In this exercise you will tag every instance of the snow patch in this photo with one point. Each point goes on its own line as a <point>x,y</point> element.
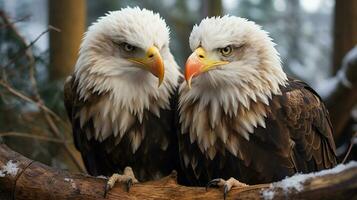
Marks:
<point>73,184</point>
<point>295,182</point>
<point>268,194</point>
<point>11,168</point>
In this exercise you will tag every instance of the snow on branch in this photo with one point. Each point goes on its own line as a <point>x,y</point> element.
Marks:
<point>9,169</point>
<point>335,90</point>
<point>296,182</point>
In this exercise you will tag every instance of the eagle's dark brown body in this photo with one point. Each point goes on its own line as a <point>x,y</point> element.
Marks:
<point>297,138</point>
<point>155,157</point>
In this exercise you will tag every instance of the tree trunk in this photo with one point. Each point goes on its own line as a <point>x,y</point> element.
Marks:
<point>345,30</point>
<point>212,8</point>
<point>69,16</point>
<point>21,178</point>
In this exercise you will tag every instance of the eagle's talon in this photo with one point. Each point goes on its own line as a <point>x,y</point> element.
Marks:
<point>226,184</point>
<point>107,188</point>
<point>127,177</point>
<point>129,183</point>
<point>213,182</point>
<point>226,190</point>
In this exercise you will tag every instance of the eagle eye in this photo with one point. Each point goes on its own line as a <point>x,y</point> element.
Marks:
<point>226,51</point>
<point>127,47</point>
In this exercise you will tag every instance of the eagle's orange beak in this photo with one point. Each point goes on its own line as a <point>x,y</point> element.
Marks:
<point>152,62</point>
<point>197,63</point>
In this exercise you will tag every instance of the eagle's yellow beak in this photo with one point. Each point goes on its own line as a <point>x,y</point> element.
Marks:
<point>152,61</point>
<point>197,63</point>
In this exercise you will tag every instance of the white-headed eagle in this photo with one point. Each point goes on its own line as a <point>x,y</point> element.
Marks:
<point>120,117</point>
<point>241,116</point>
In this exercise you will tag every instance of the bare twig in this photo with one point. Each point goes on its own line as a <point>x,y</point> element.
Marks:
<point>7,24</point>
<point>22,51</point>
<point>53,127</point>
<point>54,28</point>
<point>28,99</point>
<point>354,136</point>
<point>27,51</point>
<point>32,136</point>
<point>55,130</point>
<point>47,113</point>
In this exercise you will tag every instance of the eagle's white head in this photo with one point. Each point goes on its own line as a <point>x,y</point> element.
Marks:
<point>124,57</point>
<point>230,49</point>
<point>233,71</point>
<point>232,53</point>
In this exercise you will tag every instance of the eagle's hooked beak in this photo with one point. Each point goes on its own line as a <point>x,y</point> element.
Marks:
<point>152,61</point>
<point>199,62</point>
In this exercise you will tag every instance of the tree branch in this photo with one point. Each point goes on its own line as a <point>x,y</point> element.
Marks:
<point>340,93</point>
<point>22,96</point>
<point>32,136</point>
<point>22,178</point>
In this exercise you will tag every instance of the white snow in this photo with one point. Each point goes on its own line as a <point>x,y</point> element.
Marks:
<point>10,168</point>
<point>73,184</point>
<point>268,194</point>
<point>326,87</point>
<point>295,183</point>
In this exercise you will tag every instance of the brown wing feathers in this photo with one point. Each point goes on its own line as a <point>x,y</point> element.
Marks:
<point>310,127</point>
<point>297,138</point>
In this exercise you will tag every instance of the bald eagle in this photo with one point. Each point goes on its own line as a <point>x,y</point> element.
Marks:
<point>241,116</point>
<point>120,117</point>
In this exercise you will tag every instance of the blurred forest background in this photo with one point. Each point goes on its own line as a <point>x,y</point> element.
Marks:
<point>39,42</point>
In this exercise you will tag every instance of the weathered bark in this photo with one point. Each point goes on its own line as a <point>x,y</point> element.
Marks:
<point>34,180</point>
<point>345,30</point>
<point>69,16</point>
<point>340,93</point>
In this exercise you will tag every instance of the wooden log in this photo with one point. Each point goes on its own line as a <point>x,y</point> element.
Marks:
<point>21,178</point>
<point>34,180</point>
